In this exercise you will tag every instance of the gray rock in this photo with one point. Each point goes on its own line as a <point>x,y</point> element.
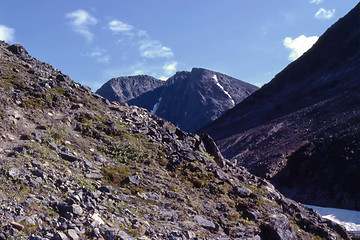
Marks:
<point>220,174</point>
<point>76,209</point>
<point>134,179</point>
<point>96,233</point>
<point>68,156</point>
<point>13,113</point>
<point>17,225</point>
<point>14,173</point>
<point>189,234</point>
<point>18,50</point>
<point>36,237</point>
<point>77,106</point>
<point>241,191</point>
<point>63,208</point>
<point>104,189</point>
<point>30,221</point>
<point>20,149</point>
<point>37,136</point>
<point>110,123</point>
<point>278,228</point>
<point>257,237</point>
<point>72,234</point>
<point>60,236</point>
<point>117,234</point>
<point>60,78</point>
<point>53,146</point>
<point>205,223</point>
<point>94,175</point>
<point>38,172</point>
<point>100,159</point>
<point>87,163</point>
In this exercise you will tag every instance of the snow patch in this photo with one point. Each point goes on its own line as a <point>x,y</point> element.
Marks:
<point>222,88</point>
<point>348,218</point>
<point>156,106</point>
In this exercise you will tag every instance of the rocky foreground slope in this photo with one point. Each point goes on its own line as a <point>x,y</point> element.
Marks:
<point>75,166</point>
<point>302,130</point>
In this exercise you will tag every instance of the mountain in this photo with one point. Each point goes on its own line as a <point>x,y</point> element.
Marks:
<point>76,166</point>
<point>193,99</point>
<point>123,89</point>
<point>302,129</point>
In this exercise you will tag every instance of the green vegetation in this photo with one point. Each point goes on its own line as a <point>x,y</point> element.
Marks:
<point>116,174</point>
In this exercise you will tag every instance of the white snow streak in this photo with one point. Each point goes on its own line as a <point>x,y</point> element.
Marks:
<point>156,106</point>
<point>222,88</point>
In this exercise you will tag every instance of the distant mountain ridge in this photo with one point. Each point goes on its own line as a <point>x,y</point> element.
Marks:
<point>192,99</point>
<point>301,128</point>
<point>123,89</point>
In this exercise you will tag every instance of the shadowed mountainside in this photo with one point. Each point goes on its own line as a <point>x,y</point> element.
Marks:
<point>303,128</point>
<point>193,99</point>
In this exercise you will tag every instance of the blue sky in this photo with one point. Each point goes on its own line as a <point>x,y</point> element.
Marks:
<point>95,40</point>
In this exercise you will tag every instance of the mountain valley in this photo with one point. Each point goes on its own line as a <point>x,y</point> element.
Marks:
<point>76,166</point>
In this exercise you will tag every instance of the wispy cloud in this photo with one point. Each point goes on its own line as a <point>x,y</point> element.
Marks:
<point>118,26</point>
<point>170,68</point>
<point>316,1</point>
<point>299,45</point>
<point>147,46</point>
<point>6,34</point>
<point>81,20</point>
<point>100,55</point>
<point>324,14</point>
<point>154,49</point>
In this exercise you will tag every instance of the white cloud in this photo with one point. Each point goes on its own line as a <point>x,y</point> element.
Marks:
<point>316,1</point>
<point>299,45</point>
<point>100,55</point>
<point>324,14</point>
<point>154,49</point>
<point>117,26</point>
<point>103,59</point>
<point>170,68</point>
<point>143,33</point>
<point>81,21</point>
<point>138,72</point>
<point>6,33</point>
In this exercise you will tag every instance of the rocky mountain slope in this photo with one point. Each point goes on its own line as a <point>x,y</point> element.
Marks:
<point>193,99</point>
<point>75,166</point>
<point>303,128</point>
<point>123,89</point>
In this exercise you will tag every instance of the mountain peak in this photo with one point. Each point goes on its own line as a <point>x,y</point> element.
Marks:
<point>192,99</point>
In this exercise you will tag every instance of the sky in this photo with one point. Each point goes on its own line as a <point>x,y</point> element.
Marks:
<point>93,41</point>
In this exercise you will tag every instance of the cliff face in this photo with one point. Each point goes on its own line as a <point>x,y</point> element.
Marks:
<point>300,128</point>
<point>75,166</point>
<point>193,99</point>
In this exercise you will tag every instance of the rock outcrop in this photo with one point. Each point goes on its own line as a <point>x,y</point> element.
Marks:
<point>302,128</point>
<point>76,166</point>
